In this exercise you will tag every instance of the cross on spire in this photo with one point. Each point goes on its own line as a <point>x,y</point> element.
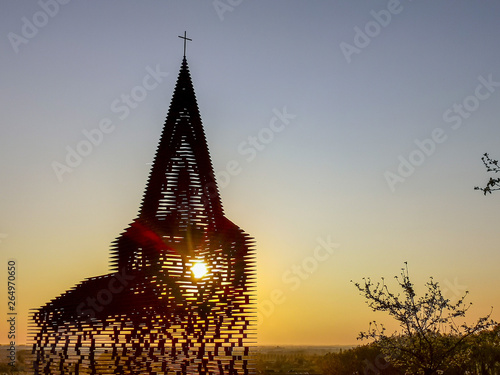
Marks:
<point>185,39</point>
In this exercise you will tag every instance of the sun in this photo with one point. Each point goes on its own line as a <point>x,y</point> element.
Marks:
<point>199,269</point>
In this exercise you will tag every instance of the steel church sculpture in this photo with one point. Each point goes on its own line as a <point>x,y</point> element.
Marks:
<point>178,298</point>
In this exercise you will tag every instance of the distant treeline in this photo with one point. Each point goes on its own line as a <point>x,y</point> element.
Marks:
<point>482,357</point>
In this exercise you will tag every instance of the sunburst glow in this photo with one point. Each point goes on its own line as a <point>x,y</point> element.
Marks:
<point>199,269</point>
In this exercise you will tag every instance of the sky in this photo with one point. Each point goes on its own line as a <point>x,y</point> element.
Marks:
<point>346,138</point>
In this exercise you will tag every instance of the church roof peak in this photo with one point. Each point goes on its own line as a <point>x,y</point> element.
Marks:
<point>182,169</point>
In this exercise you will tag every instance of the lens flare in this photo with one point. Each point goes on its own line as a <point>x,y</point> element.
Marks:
<point>199,269</point>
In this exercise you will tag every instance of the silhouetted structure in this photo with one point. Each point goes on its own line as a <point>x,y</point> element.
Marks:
<point>151,315</point>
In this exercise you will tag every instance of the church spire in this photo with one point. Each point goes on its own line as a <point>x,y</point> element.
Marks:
<point>182,179</point>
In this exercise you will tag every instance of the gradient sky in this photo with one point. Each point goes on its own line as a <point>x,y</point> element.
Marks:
<point>357,107</point>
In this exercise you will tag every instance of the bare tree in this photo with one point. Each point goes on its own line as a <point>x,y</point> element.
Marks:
<point>431,338</point>
<point>493,183</point>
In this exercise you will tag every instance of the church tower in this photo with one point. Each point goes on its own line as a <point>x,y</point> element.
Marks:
<point>178,299</point>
